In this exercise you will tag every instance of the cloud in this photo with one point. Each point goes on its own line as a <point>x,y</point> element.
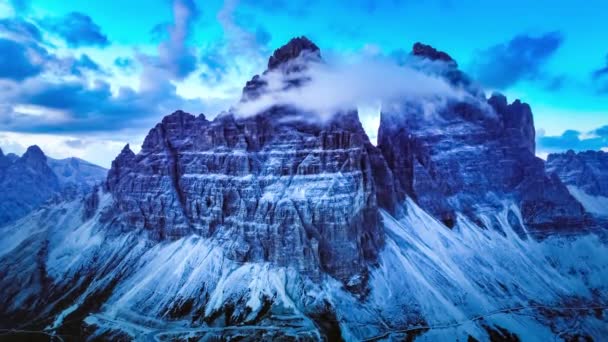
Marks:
<point>342,85</point>
<point>241,53</point>
<point>75,106</point>
<point>573,140</point>
<point>86,64</point>
<point>15,61</point>
<point>521,58</point>
<point>19,29</point>
<point>77,29</point>
<point>238,39</point>
<point>599,78</point>
<point>174,54</point>
<point>125,63</point>
<point>601,72</point>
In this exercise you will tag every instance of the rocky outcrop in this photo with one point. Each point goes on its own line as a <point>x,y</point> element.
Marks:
<point>429,52</point>
<point>471,156</point>
<point>587,170</point>
<point>274,187</point>
<point>292,50</point>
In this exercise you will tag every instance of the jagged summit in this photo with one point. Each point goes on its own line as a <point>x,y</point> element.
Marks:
<point>34,152</point>
<point>292,50</point>
<point>126,149</point>
<point>427,51</point>
<point>291,58</point>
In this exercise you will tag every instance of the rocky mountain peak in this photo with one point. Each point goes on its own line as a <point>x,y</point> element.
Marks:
<point>292,50</point>
<point>427,51</point>
<point>34,157</point>
<point>452,168</point>
<point>34,152</point>
<point>291,58</point>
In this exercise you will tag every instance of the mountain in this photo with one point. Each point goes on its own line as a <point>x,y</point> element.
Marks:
<point>28,181</point>
<point>586,175</point>
<point>471,156</point>
<point>77,172</point>
<point>275,226</point>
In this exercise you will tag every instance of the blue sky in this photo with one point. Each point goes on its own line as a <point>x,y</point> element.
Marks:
<point>85,77</point>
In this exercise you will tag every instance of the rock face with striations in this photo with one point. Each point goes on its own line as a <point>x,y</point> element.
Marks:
<point>471,155</point>
<point>273,187</point>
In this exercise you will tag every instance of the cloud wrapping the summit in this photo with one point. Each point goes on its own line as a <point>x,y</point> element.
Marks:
<point>345,85</point>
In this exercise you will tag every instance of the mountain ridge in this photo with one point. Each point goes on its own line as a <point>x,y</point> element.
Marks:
<point>28,181</point>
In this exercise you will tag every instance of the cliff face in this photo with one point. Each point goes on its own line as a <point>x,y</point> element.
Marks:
<point>470,156</point>
<point>273,187</point>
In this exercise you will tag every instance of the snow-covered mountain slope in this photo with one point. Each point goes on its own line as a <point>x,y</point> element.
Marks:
<point>28,181</point>
<point>275,227</point>
<point>429,281</point>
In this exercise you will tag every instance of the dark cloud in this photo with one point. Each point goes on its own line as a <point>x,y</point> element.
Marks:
<point>85,63</point>
<point>76,106</point>
<point>19,29</point>
<point>521,58</point>
<point>15,61</point>
<point>77,29</point>
<point>599,78</point>
<point>574,140</point>
<point>174,54</point>
<point>601,72</point>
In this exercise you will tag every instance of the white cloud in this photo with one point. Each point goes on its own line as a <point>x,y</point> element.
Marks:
<point>342,85</point>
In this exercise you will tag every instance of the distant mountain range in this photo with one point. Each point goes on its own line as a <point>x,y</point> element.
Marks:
<point>278,227</point>
<point>586,176</point>
<point>28,181</point>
